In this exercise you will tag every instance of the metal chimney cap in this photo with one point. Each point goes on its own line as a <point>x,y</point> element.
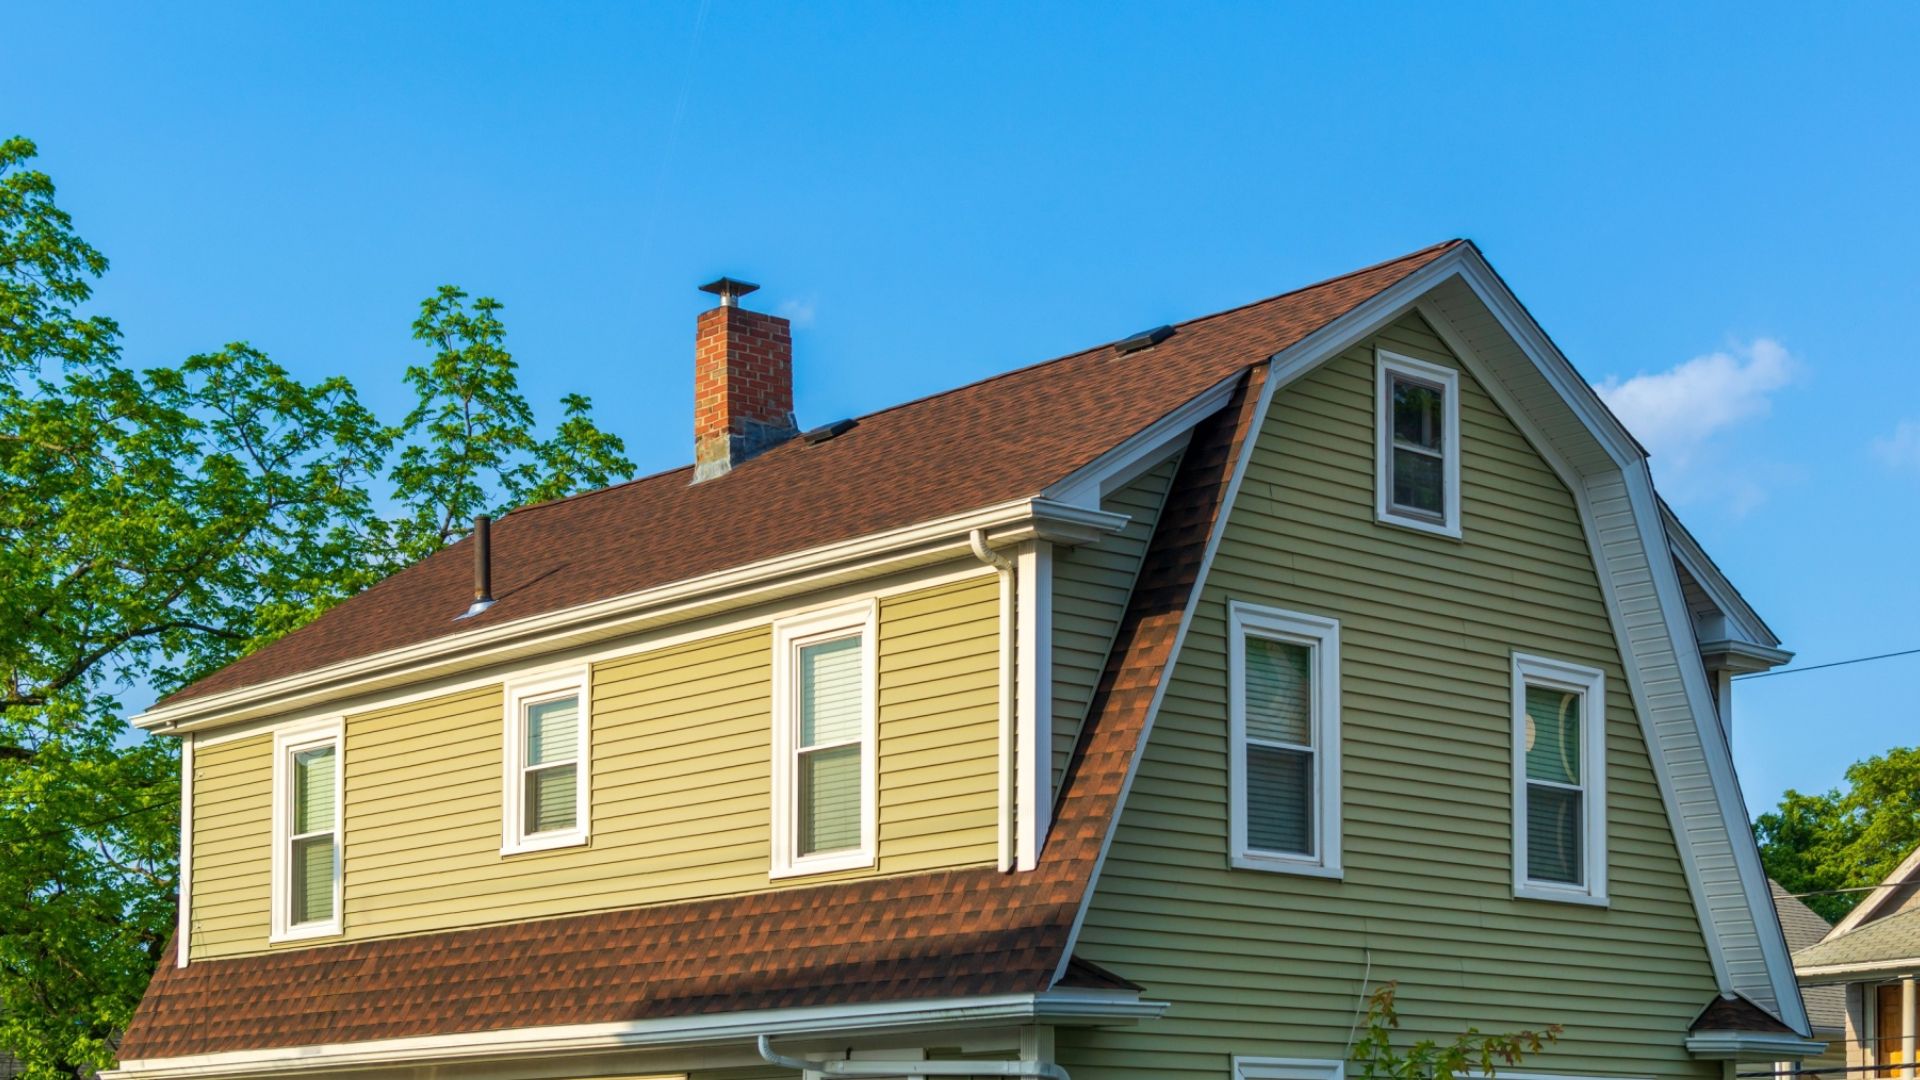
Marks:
<point>729,291</point>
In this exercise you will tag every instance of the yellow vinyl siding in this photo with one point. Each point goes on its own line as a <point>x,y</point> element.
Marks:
<point>232,845</point>
<point>1271,964</point>
<point>681,766</point>
<point>1091,585</point>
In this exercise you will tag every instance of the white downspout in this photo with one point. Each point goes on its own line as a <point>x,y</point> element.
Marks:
<point>1042,1070</point>
<point>978,541</point>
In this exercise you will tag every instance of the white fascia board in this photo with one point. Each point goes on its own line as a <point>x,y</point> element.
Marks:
<point>1686,548</point>
<point>878,553</point>
<point>1062,1007</point>
<point>1143,450</point>
<point>1751,1046</point>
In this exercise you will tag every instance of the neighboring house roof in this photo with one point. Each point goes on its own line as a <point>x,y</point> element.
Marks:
<point>1826,1005</point>
<point>1889,941</point>
<point>1000,439</point>
<point>950,934</point>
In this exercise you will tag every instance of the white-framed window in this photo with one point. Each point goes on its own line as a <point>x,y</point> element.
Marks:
<point>306,859</point>
<point>1284,726</point>
<point>1278,1068</point>
<point>824,736</point>
<point>1559,781</point>
<point>548,775</point>
<point>1417,448</point>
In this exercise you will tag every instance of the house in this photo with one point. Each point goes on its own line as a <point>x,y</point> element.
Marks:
<point>1126,715</point>
<point>1826,1003</point>
<point>1872,957</point>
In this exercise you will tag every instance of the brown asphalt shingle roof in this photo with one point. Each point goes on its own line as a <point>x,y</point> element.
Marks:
<point>1001,439</point>
<point>954,933</point>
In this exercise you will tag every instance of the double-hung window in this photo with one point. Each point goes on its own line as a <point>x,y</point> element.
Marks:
<point>1559,781</point>
<point>823,741</point>
<point>1418,445</point>
<point>1284,721</point>
<point>306,832</point>
<point>547,771</point>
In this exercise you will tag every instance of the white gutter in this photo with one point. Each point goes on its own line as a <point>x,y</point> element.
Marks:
<point>1057,1006</point>
<point>942,537</point>
<point>977,540</point>
<point>1044,1069</point>
<point>1751,1046</point>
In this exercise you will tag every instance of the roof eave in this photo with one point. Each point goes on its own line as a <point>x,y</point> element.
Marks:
<point>1751,1046</point>
<point>873,555</point>
<point>1065,1007</point>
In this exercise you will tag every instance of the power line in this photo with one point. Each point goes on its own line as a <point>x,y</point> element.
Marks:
<point>1817,667</point>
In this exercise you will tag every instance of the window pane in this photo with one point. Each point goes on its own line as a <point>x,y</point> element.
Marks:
<point>830,800</point>
<point>1553,834</point>
<point>1553,735</point>
<point>312,878</point>
<point>313,790</point>
<point>553,731</point>
<point>1416,414</point>
<point>830,691</point>
<point>1279,800</point>
<point>552,795</point>
<point>1279,691</point>
<point>1418,482</point>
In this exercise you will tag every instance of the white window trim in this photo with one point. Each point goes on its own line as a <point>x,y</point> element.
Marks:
<point>1323,636</point>
<point>286,743</point>
<point>1590,683</point>
<point>1387,365</point>
<point>518,694</point>
<point>1279,1068</point>
<point>789,635</point>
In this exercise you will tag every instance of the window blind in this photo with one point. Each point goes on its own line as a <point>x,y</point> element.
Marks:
<point>830,754</point>
<point>552,771</point>
<point>312,855</point>
<point>1279,723</point>
<point>1555,796</point>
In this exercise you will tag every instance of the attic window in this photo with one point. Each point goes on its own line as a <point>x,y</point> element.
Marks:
<point>1559,781</point>
<point>1417,450</point>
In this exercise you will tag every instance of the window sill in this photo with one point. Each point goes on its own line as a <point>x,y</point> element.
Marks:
<point>543,843</point>
<point>1281,864</point>
<point>305,932</point>
<point>1419,525</point>
<point>824,864</point>
<point>1558,895</point>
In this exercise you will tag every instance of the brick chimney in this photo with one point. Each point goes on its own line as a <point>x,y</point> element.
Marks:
<point>742,382</point>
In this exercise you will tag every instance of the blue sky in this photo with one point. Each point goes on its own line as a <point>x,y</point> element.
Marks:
<point>1711,208</point>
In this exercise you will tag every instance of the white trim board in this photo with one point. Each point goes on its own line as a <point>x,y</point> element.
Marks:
<point>1060,1006</point>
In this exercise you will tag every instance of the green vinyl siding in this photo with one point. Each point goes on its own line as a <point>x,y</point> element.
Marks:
<point>1091,585</point>
<point>1270,964</point>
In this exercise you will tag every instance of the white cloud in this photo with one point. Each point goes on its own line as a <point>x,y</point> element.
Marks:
<point>1900,450</point>
<point>1675,412</point>
<point>1686,414</point>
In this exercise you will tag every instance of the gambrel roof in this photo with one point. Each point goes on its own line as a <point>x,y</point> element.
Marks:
<point>963,934</point>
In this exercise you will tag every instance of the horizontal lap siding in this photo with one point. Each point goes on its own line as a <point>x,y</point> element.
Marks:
<point>232,839</point>
<point>1267,964</point>
<point>1091,585</point>
<point>681,783</point>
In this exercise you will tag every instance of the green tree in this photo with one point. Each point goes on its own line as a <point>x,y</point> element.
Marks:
<point>156,525</point>
<point>1375,1057</point>
<point>1851,837</point>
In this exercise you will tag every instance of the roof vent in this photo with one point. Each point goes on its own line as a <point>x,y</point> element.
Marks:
<point>828,431</point>
<point>482,567</point>
<point>1145,339</point>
